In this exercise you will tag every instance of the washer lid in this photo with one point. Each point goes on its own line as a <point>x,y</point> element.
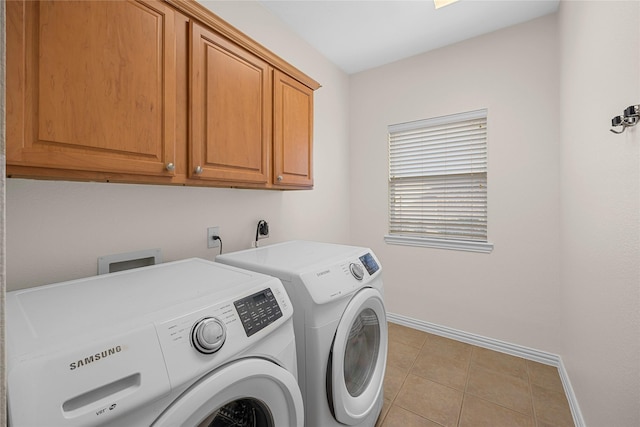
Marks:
<point>43,316</point>
<point>269,388</point>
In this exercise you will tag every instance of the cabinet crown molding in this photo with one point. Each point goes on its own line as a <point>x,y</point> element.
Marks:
<point>197,11</point>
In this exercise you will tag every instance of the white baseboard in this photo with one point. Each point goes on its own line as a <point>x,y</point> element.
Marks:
<point>503,347</point>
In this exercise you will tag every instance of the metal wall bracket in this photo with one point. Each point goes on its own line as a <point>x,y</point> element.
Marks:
<point>630,118</point>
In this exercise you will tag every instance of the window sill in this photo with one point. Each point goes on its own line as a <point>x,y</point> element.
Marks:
<point>469,246</point>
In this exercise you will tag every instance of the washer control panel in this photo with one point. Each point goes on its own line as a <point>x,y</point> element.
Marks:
<point>258,311</point>
<point>223,326</point>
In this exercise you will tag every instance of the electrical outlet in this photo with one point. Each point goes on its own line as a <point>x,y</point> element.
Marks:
<point>262,232</point>
<point>263,229</point>
<point>211,232</point>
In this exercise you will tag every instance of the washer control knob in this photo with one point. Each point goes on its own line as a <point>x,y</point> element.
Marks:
<point>208,335</point>
<point>356,270</point>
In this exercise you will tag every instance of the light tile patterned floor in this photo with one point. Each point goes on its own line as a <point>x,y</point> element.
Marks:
<point>433,381</point>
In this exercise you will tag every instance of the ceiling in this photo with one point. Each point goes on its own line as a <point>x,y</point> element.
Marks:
<point>363,34</point>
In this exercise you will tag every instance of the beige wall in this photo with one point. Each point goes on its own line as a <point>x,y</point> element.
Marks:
<point>560,279</point>
<point>56,230</point>
<point>512,294</point>
<point>600,176</point>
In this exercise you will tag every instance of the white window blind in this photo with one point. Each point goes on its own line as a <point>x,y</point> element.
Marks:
<point>438,182</point>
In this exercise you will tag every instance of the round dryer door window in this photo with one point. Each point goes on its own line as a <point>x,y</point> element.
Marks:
<point>245,393</point>
<point>359,357</point>
<point>361,351</point>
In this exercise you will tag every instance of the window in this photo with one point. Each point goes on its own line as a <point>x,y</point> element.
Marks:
<point>438,182</point>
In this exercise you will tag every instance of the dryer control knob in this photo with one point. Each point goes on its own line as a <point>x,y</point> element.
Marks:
<point>356,270</point>
<point>208,335</point>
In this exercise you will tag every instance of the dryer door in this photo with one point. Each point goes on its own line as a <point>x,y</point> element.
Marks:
<point>249,392</point>
<point>359,357</point>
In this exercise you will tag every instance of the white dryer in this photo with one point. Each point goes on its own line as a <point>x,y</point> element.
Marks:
<point>187,343</point>
<point>340,325</point>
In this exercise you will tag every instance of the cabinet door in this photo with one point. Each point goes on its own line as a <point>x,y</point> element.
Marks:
<point>91,85</point>
<point>230,110</point>
<point>293,132</point>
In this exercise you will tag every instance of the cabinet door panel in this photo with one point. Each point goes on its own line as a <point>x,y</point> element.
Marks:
<point>293,132</point>
<point>230,110</point>
<point>98,86</point>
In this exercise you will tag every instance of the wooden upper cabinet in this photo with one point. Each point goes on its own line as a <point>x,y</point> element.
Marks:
<point>230,110</point>
<point>91,86</point>
<point>151,91</point>
<point>292,132</point>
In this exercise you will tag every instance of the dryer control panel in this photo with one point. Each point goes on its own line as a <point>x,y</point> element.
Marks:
<point>369,263</point>
<point>340,279</point>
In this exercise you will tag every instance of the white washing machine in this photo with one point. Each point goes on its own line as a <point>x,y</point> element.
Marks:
<point>340,325</point>
<point>187,343</point>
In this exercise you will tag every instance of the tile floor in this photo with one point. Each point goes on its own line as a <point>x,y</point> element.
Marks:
<point>433,381</point>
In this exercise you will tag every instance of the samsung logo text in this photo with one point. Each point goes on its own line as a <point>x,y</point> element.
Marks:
<point>95,357</point>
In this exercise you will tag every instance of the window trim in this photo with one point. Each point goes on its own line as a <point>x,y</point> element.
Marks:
<point>429,242</point>
<point>479,246</point>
